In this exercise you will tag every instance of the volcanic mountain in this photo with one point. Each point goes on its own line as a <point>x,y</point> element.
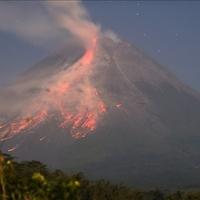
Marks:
<point>147,133</point>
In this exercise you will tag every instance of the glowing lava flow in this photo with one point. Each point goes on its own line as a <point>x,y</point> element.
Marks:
<point>21,124</point>
<point>70,96</point>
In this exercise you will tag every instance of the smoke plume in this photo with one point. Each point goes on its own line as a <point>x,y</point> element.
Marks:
<point>47,22</point>
<point>73,17</point>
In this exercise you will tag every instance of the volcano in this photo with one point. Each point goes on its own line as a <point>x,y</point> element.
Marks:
<point>144,126</point>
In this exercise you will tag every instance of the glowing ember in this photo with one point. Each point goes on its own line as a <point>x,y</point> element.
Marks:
<point>42,138</point>
<point>1,125</point>
<point>12,149</point>
<point>118,105</point>
<point>102,107</point>
<point>70,95</point>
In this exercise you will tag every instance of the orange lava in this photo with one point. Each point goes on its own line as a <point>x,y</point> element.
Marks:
<point>89,54</point>
<point>72,97</point>
<point>22,124</point>
<point>87,57</point>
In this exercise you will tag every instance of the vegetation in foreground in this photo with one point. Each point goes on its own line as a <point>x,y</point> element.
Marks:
<point>33,181</point>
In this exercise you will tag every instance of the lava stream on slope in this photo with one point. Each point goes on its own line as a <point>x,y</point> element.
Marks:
<point>70,96</point>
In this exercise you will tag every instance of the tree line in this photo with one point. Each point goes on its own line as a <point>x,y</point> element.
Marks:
<point>34,181</point>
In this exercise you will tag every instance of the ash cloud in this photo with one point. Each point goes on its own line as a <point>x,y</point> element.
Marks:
<point>47,22</point>
<point>73,17</point>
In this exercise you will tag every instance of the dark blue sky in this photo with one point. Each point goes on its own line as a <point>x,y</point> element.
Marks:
<point>168,31</point>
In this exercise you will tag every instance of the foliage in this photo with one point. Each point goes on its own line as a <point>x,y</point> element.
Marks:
<point>33,181</point>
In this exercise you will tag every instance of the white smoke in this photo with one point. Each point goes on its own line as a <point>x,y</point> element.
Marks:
<point>113,36</point>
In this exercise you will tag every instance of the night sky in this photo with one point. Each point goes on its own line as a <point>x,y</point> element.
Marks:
<point>167,31</point>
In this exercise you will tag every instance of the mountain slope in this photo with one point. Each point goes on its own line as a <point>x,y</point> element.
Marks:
<point>149,135</point>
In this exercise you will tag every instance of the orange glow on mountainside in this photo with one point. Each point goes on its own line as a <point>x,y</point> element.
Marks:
<point>71,97</point>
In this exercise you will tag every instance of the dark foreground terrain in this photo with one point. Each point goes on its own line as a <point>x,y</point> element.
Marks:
<point>33,181</point>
